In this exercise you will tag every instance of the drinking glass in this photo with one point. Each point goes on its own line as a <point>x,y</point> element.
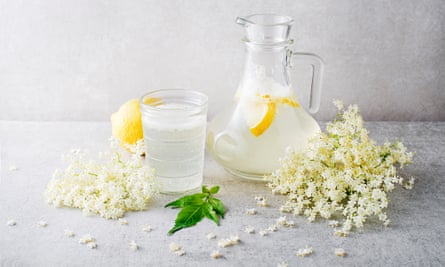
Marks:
<point>174,125</point>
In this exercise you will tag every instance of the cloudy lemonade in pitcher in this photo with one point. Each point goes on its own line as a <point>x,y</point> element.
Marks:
<point>251,135</point>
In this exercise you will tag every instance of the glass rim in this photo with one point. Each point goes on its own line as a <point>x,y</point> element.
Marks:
<point>287,20</point>
<point>202,98</point>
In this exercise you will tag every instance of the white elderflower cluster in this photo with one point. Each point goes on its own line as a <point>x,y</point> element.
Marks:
<point>120,182</point>
<point>342,171</point>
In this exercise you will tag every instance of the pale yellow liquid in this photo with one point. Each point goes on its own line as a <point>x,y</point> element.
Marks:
<point>231,142</point>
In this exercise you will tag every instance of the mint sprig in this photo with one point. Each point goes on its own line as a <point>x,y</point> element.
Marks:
<point>195,207</point>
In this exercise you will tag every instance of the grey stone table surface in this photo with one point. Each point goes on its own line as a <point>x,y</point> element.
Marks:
<point>416,236</point>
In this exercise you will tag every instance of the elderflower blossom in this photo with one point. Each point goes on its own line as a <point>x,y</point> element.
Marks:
<point>228,242</point>
<point>251,211</point>
<point>261,201</point>
<point>119,183</point>
<point>69,233</point>
<point>42,224</point>
<point>147,228</point>
<point>303,252</point>
<point>122,222</point>
<point>342,171</point>
<point>249,229</point>
<point>13,168</point>
<point>86,239</point>
<point>133,245</point>
<point>216,254</point>
<point>11,222</point>
<point>177,249</point>
<point>211,235</point>
<point>340,252</point>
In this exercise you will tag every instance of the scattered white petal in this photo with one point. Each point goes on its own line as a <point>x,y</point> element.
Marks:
<point>11,222</point>
<point>261,201</point>
<point>216,254</point>
<point>86,239</point>
<point>249,229</point>
<point>251,211</point>
<point>133,245</point>
<point>228,242</point>
<point>340,252</point>
<point>174,247</point>
<point>177,249</point>
<point>92,245</point>
<point>272,228</point>
<point>333,223</point>
<point>303,252</point>
<point>410,183</point>
<point>341,233</point>
<point>123,222</point>
<point>263,232</point>
<point>147,228</point>
<point>211,235</point>
<point>180,252</point>
<point>290,224</point>
<point>282,220</point>
<point>69,233</point>
<point>42,224</point>
<point>235,238</point>
<point>282,264</point>
<point>13,168</point>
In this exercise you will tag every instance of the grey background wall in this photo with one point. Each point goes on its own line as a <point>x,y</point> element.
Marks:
<point>81,59</point>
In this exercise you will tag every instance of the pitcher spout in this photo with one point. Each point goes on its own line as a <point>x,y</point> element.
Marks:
<point>266,29</point>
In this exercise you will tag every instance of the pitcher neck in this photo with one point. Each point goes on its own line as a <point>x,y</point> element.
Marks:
<point>265,67</point>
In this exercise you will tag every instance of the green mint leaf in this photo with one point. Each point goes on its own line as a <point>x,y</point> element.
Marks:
<point>187,217</point>
<point>214,190</point>
<point>218,206</point>
<point>210,213</point>
<point>205,190</point>
<point>195,207</point>
<point>195,199</point>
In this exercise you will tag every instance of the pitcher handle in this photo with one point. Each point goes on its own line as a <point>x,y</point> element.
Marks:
<point>317,75</point>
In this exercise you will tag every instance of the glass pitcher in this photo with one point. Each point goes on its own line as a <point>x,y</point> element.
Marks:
<point>265,117</point>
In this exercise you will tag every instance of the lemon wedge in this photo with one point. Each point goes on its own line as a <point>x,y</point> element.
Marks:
<point>126,123</point>
<point>152,101</point>
<point>259,116</point>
